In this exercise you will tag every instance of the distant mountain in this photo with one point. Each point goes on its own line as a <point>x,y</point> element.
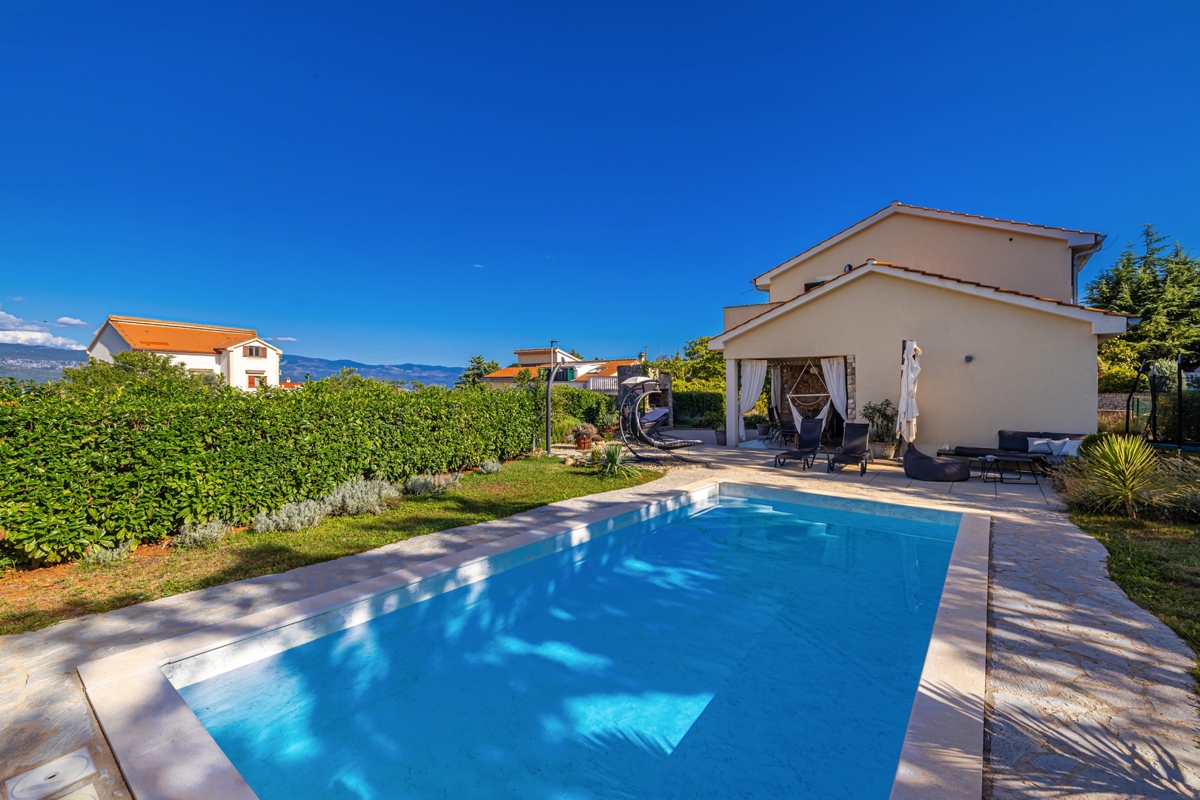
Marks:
<point>296,367</point>
<point>30,362</point>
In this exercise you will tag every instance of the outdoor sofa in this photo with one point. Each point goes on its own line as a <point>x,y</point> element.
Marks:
<point>1016,443</point>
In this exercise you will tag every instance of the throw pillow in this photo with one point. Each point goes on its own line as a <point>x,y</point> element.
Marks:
<point>1071,448</point>
<point>1039,446</point>
<point>1057,445</point>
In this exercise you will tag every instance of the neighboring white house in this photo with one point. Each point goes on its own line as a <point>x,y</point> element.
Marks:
<point>237,354</point>
<point>598,374</point>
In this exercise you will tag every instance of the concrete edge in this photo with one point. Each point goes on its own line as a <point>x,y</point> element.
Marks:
<point>135,703</point>
<point>160,745</point>
<point>942,755</point>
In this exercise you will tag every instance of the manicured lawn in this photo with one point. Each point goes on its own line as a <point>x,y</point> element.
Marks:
<point>1158,566</point>
<point>34,599</point>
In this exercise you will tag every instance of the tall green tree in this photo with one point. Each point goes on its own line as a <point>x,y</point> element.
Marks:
<point>696,366</point>
<point>473,375</point>
<point>1161,285</point>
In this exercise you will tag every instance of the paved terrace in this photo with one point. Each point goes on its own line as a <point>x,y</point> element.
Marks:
<point>1088,695</point>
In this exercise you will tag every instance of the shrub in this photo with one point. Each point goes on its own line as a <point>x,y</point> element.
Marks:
<point>562,430</point>
<point>293,517</point>
<point>608,421</point>
<point>1118,473</point>
<point>1120,379</point>
<point>710,419</point>
<point>582,404</point>
<point>1167,429</point>
<point>882,419</point>
<point>84,465</point>
<point>361,497</point>
<point>97,555</point>
<point>584,431</point>
<point>611,463</point>
<point>756,419</point>
<point>490,467</point>
<point>690,405</point>
<point>199,535</point>
<point>431,484</point>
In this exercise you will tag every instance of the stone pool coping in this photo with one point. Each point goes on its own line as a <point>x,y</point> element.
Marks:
<point>165,752</point>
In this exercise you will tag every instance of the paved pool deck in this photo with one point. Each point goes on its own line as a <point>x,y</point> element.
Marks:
<point>1088,695</point>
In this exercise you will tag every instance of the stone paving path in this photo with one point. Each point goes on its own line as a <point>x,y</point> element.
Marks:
<point>1088,695</point>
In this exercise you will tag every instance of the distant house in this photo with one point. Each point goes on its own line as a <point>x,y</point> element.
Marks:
<point>238,355</point>
<point>599,375</point>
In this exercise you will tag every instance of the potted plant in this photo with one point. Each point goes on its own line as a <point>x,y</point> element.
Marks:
<point>584,433</point>
<point>882,419</point>
<point>760,422</point>
<point>607,423</point>
<point>717,421</point>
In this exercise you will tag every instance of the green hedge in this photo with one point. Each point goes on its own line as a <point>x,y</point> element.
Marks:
<point>581,404</point>
<point>1191,417</point>
<point>1120,379</point>
<point>690,405</point>
<point>78,469</point>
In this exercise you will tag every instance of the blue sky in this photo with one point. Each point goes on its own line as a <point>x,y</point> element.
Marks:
<point>395,184</point>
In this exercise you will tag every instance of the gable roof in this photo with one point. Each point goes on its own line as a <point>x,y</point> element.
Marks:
<point>1084,241</point>
<point>609,368</point>
<point>177,337</point>
<point>1102,321</point>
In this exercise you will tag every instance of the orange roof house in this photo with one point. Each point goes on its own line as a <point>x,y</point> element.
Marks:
<point>239,355</point>
<point>599,375</point>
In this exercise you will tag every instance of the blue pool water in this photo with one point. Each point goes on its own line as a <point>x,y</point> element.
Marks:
<point>728,650</point>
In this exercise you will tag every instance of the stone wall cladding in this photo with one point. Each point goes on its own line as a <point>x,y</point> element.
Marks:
<point>851,401</point>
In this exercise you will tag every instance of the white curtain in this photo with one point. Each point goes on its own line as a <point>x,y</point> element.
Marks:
<point>906,414</point>
<point>754,376</point>
<point>776,387</point>
<point>834,371</point>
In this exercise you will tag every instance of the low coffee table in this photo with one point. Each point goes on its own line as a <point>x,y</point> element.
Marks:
<point>992,468</point>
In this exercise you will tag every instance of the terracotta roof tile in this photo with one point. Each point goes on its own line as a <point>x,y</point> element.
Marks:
<point>609,369</point>
<point>178,337</point>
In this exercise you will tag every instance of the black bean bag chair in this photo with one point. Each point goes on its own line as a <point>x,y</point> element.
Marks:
<point>921,467</point>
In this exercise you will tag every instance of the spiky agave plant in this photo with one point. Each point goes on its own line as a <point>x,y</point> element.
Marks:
<point>611,463</point>
<point>1121,472</point>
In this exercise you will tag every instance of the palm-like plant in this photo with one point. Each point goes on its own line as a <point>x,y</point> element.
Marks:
<point>1120,473</point>
<point>611,463</point>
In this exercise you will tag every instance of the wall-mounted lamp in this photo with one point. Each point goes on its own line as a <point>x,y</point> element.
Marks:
<point>969,359</point>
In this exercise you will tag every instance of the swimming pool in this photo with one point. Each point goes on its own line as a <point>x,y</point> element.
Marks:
<point>736,647</point>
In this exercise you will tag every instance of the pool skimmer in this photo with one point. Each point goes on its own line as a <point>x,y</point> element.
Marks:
<point>52,777</point>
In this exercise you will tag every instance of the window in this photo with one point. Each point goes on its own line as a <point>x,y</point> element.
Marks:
<point>254,351</point>
<point>808,287</point>
<point>563,374</point>
<point>255,381</point>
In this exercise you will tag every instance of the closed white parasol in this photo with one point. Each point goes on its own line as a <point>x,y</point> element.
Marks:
<point>906,414</point>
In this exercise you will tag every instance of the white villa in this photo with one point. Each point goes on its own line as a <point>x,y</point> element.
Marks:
<point>599,375</point>
<point>238,355</point>
<point>992,303</point>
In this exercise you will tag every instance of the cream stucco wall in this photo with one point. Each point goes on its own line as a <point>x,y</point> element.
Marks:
<point>736,315</point>
<point>1037,265</point>
<point>1032,370</point>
